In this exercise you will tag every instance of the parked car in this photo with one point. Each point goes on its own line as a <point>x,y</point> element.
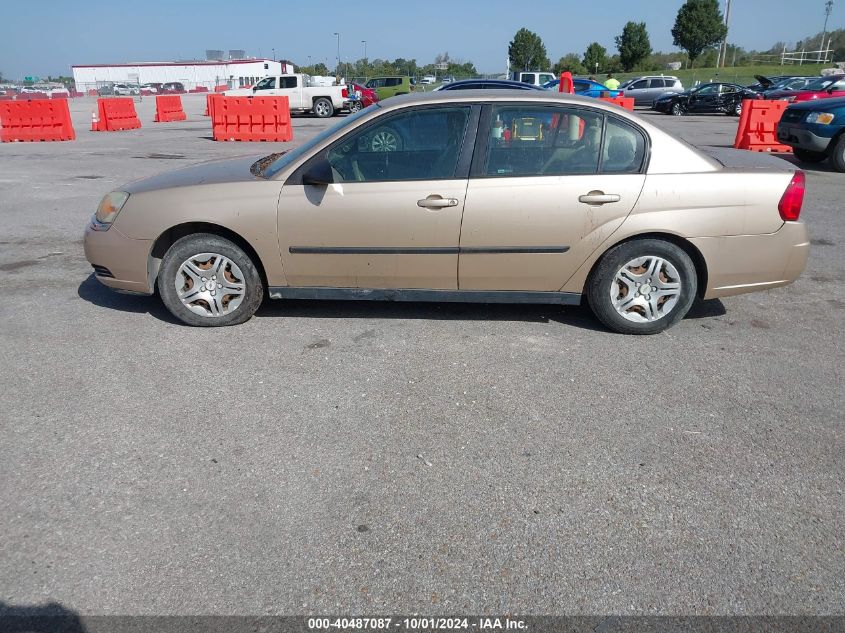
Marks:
<point>585,88</point>
<point>360,97</point>
<point>529,197</point>
<point>787,87</point>
<point>447,79</point>
<point>765,83</point>
<point>173,87</point>
<point>487,84</point>
<point>390,86</point>
<point>645,90</point>
<point>713,98</point>
<point>428,79</point>
<point>154,87</point>
<point>821,88</point>
<point>533,77</point>
<point>125,90</point>
<point>815,130</point>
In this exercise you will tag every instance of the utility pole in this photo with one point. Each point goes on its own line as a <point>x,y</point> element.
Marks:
<point>337,69</point>
<point>828,9</point>
<point>723,49</point>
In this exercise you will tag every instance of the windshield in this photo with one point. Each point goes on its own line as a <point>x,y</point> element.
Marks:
<point>288,157</point>
<point>821,84</point>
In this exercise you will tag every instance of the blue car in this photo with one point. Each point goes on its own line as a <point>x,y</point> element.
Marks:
<point>585,88</point>
<point>815,130</point>
<point>488,84</point>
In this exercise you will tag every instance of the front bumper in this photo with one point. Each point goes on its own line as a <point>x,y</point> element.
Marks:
<point>745,263</point>
<point>802,136</point>
<point>119,262</point>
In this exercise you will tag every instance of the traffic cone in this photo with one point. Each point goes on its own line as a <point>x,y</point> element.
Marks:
<point>95,122</point>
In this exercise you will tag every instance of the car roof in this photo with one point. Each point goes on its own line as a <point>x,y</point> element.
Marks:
<point>517,85</point>
<point>534,96</point>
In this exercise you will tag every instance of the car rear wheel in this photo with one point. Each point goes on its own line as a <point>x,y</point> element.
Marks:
<point>206,280</point>
<point>323,108</point>
<point>808,156</point>
<point>676,109</point>
<point>837,156</point>
<point>642,287</point>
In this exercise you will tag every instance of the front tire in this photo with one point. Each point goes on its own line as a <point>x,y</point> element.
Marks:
<point>837,156</point>
<point>642,287</point>
<point>323,108</point>
<point>208,281</point>
<point>808,156</point>
<point>676,109</point>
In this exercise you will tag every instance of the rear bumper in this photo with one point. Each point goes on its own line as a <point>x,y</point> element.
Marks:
<point>119,262</point>
<point>800,136</point>
<point>747,263</point>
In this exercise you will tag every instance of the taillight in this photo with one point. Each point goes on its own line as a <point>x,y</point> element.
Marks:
<point>344,93</point>
<point>792,199</point>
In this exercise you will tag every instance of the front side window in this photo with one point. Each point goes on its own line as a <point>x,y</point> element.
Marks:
<point>417,144</point>
<point>640,85</point>
<point>543,141</point>
<point>268,83</point>
<point>709,89</point>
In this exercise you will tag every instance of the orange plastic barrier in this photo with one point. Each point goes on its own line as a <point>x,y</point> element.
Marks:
<point>115,114</point>
<point>27,96</point>
<point>169,108</point>
<point>209,102</point>
<point>757,130</point>
<point>40,120</point>
<point>623,102</point>
<point>566,84</point>
<point>251,119</point>
<point>221,88</point>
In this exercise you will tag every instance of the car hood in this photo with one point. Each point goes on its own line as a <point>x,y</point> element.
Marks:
<point>215,172</point>
<point>671,95</point>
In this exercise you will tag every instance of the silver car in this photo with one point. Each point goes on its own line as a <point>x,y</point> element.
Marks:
<point>645,90</point>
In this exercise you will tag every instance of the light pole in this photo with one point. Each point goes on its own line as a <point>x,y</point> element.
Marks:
<point>828,8</point>
<point>274,53</point>
<point>364,42</point>
<point>337,70</point>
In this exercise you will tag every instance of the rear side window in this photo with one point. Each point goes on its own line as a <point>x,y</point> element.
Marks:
<point>287,82</point>
<point>528,78</point>
<point>393,81</point>
<point>657,83</point>
<point>624,148</point>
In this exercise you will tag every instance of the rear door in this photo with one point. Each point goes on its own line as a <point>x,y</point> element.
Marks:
<point>545,194</point>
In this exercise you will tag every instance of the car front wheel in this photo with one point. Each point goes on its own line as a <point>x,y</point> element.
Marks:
<point>206,280</point>
<point>642,287</point>
<point>676,109</point>
<point>837,156</point>
<point>808,156</point>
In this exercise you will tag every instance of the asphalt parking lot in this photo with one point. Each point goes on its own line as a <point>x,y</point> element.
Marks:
<point>398,458</point>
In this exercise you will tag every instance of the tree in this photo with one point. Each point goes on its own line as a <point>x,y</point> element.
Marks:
<point>633,45</point>
<point>595,57</point>
<point>527,51</point>
<point>699,25</point>
<point>570,62</point>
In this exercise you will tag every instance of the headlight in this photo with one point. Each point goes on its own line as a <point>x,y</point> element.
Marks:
<point>110,206</point>
<point>790,99</point>
<point>822,118</point>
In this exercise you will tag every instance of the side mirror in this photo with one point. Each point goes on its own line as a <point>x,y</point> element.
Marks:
<point>319,174</point>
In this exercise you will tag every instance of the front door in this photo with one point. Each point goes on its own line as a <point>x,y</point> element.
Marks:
<point>548,186</point>
<point>392,217</point>
<point>704,99</point>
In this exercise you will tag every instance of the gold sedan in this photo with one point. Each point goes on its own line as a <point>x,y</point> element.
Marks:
<point>493,196</point>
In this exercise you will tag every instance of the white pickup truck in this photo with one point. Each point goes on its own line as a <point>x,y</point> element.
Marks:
<point>323,101</point>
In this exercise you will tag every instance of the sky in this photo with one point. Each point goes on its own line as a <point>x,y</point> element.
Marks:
<point>47,37</point>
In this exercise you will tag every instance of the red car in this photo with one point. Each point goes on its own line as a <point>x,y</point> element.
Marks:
<point>822,88</point>
<point>367,98</point>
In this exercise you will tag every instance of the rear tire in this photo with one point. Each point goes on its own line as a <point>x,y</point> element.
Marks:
<point>736,110</point>
<point>323,108</point>
<point>208,281</point>
<point>808,156</point>
<point>642,287</point>
<point>837,155</point>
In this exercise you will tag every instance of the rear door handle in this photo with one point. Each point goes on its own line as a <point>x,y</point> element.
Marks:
<point>599,197</point>
<point>436,202</point>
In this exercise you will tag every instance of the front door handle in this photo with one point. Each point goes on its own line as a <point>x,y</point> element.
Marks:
<point>436,202</point>
<point>599,197</point>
